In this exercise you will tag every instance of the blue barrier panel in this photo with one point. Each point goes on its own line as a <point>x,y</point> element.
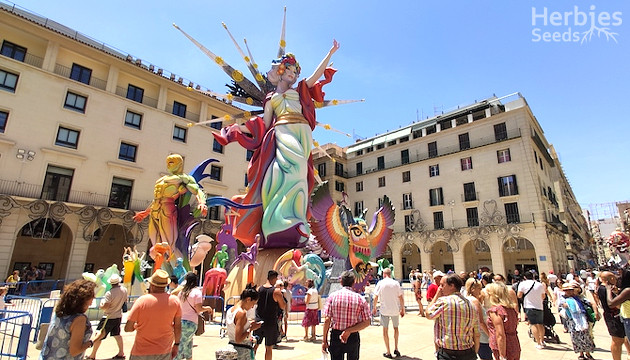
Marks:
<point>15,327</point>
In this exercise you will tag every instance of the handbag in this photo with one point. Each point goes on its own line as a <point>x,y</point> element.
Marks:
<point>320,303</point>
<point>590,313</point>
<point>201,322</point>
<point>201,325</point>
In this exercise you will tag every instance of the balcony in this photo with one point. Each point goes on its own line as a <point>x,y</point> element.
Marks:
<point>94,81</point>
<point>148,101</point>
<point>441,151</point>
<point>31,60</point>
<point>33,191</point>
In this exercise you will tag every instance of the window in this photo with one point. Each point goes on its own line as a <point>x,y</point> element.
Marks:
<point>472,217</point>
<point>511,213</point>
<point>500,132</point>
<point>380,162</point>
<point>403,139</point>
<point>135,93</point>
<point>81,74</point>
<point>381,181</point>
<point>133,120</point>
<point>3,120</point>
<point>249,154</point>
<point>369,149</point>
<point>359,168</point>
<point>359,186</point>
<point>339,186</point>
<point>469,192</point>
<point>417,133</point>
<point>321,169</point>
<point>409,223</point>
<point>404,156</point>
<point>8,81</point>
<point>214,212</point>
<point>466,163</point>
<point>507,185</point>
<point>13,51</point>
<point>436,197</point>
<point>433,149</point>
<point>434,170</point>
<point>215,172</point>
<point>246,182</point>
<point>127,152</point>
<point>67,137</point>
<point>431,129</point>
<point>57,183</point>
<point>381,201</point>
<point>120,194</point>
<point>179,134</point>
<point>338,169</point>
<point>179,109</point>
<point>407,201</point>
<point>438,220</point>
<point>217,147</point>
<point>75,102</point>
<point>358,208</point>
<point>382,145</point>
<point>359,152</point>
<point>406,176</point>
<point>503,156</point>
<point>464,141</point>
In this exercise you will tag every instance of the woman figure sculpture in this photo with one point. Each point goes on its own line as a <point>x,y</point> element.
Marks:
<point>281,172</point>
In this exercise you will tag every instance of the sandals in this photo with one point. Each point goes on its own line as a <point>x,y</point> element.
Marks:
<point>396,353</point>
<point>388,355</point>
<point>118,357</point>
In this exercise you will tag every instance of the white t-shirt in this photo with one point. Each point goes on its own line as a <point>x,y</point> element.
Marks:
<point>569,277</point>
<point>552,278</point>
<point>591,283</point>
<point>388,291</point>
<point>533,300</point>
<point>313,303</point>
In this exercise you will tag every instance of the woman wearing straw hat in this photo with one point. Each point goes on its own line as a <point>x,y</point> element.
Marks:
<point>578,323</point>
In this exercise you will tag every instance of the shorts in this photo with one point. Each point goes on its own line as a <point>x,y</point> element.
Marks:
<point>268,331</point>
<point>485,353</point>
<point>112,326</point>
<point>615,326</point>
<point>385,321</point>
<point>534,316</point>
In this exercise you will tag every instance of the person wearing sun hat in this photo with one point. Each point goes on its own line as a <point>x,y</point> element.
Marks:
<point>577,322</point>
<point>111,304</point>
<point>156,318</point>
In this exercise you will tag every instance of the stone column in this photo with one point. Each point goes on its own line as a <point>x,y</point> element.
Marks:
<point>50,59</point>
<point>112,79</point>
<point>425,259</point>
<point>496,250</point>
<point>459,262</point>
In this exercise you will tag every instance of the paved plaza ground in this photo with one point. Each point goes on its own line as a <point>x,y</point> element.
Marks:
<point>416,342</point>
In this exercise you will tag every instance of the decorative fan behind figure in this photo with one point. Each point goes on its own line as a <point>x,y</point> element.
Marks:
<point>346,237</point>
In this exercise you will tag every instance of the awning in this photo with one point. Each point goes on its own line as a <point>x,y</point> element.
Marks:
<point>360,146</point>
<point>398,134</point>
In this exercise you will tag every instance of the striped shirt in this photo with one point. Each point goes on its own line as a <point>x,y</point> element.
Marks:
<point>346,308</point>
<point>456,322</point>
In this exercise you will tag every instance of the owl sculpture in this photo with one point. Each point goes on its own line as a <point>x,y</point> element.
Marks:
<point>346,237</point>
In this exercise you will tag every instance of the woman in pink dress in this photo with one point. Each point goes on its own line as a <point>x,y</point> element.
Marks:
<point>502,322</point>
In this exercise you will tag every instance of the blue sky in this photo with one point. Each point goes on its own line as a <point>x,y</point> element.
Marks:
<point>407,59</point>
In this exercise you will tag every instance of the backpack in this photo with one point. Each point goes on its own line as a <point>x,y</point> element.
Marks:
<point>590,313</point>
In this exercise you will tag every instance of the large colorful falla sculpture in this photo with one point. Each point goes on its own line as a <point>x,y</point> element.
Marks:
<point>280,172</point>
<point>346,237</point>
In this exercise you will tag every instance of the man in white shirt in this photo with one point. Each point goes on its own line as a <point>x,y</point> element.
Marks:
<point>533,292</point>
<point>390,293</point>
<point>552,279</point>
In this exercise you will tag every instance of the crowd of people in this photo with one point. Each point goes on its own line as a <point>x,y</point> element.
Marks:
<point>475,315</point>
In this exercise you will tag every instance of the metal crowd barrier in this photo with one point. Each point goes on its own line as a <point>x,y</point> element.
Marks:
<point>34,288</point>
<point>15,327</point>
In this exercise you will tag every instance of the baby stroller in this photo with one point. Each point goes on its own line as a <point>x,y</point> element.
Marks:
<point>549,320</point>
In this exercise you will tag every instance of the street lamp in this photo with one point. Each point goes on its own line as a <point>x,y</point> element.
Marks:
<point>25,154</point>
<point>452,204</point>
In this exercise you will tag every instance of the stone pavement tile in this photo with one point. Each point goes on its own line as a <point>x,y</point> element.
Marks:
<point>415,342</point>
